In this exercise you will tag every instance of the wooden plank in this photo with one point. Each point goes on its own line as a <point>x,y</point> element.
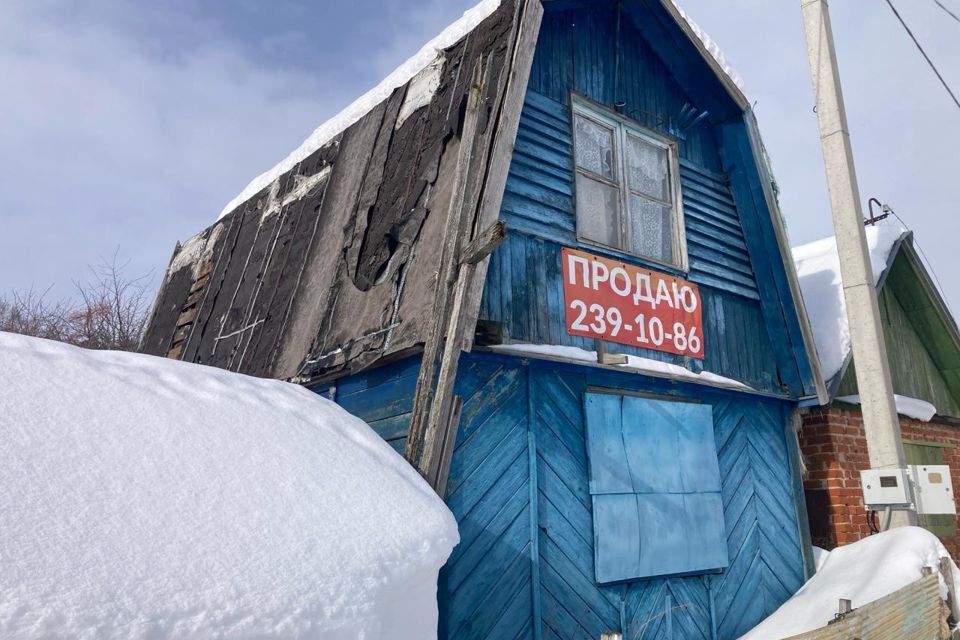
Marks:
<point>418,440</point>
<point>459,321</point>
<point>506,132</point>
<point>447,448</point>
<point>484,243</point>
<point>534,499</point>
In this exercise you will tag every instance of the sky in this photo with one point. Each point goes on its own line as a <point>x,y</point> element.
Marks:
<point>127,125</point>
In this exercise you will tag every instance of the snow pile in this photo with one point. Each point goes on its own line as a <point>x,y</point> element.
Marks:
<point>420,61</point>
<point>819,557</point>
<point>148,498</point>
<point>634,363</point>
<point>818,268</point>
<point>911,407</point>
<point>863,572</point>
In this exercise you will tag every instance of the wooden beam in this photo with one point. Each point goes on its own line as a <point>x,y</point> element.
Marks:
<point>430,461</point>
<point>504,138</point>
<point>484,244</point>
<point>480,180</point>
<point>421,432</point>
<point>446,451</point>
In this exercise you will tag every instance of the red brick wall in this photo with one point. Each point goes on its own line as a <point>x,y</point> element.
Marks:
<point>834,448</point>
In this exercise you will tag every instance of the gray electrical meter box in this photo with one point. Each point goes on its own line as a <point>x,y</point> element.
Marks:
<point>932,489</point>
<point>885,488</point>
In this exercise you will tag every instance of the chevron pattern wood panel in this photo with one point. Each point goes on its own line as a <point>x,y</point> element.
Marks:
<point>524,566</point>
<point>763,543</point>
<point>762,537</point>
<point>572,605</point>
<point>485,588</point>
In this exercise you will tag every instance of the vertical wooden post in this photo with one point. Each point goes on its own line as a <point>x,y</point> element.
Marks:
<point>478,189</point>
<point>420,428</point>
<point>946,570</point>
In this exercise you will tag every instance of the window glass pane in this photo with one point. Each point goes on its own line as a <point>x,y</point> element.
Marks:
<point>594,144</point>
<point>598,211</point>
<point>647,168</point>
<point>651,229</point>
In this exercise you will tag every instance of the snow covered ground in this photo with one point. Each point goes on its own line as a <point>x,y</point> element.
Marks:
<point>863,572</point>
<point>146,498</point>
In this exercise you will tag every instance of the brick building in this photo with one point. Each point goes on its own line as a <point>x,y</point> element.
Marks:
<point>923,349</point>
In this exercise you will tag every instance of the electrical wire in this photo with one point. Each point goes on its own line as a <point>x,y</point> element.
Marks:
<point>924,53</point>
<point>929,264</point>
<point>952,14</point>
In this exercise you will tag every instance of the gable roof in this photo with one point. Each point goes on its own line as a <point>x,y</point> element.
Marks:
<point>896,265</point>
<point>426,59</point>
<point>315,266</point>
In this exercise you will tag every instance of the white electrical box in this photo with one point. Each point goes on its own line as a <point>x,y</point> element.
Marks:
<point>932,489</point>
<point>885,488</point>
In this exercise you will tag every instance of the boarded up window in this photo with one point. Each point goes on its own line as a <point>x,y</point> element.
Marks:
<point>655,488</point>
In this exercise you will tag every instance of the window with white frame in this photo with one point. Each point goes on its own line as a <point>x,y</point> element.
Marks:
<point>628,188</point>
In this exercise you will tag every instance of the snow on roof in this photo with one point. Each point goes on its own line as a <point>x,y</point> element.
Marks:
<point>637,364</point>
<point>862,572</point>
<point>818,268</point>
<point>145,497</point>
<point>911,407</point>
<point>420,61</point>
<point>712,48</point>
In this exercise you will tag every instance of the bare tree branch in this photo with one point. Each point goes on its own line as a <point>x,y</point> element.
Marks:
<point>109,312</point>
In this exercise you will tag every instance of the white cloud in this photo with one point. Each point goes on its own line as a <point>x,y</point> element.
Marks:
<point>904,128</point>
<point>108,142</point>
<point>132,124</point>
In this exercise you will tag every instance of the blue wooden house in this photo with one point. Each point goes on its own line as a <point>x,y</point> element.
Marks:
<point>548,266</point>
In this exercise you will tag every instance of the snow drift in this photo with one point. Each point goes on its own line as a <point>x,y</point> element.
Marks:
<point>863,572</point>
<point>146,498</point>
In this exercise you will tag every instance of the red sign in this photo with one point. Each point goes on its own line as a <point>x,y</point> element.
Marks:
<point>615,301</point>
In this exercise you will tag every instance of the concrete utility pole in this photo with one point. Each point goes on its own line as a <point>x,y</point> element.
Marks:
<point>880,421</point>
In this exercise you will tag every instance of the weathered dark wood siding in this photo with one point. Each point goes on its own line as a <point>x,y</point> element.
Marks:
<point>333,265</point>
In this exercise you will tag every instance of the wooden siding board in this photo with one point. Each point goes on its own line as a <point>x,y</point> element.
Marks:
<point>765,258</point>
<point>492,514</point>
<point>574,53</point>
<point>485,588</point>
<point>531,310</point>
<point>914,369</point>
<point>514,410</point>
<point>293,299</point>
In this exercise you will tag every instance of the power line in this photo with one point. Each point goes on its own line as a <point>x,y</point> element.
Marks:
<point>924,53</point>
<point>952,14</point>
<point>923,256</point>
